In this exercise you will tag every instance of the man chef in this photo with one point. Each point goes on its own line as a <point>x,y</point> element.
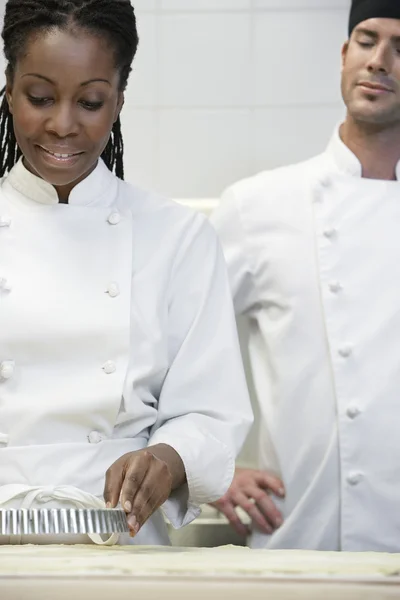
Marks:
<point>314,258</point>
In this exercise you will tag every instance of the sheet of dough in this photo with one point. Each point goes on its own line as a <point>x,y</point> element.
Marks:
<point>75,561</point>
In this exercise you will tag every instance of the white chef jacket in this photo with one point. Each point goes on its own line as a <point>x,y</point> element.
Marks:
<point>313,252</point>
<point>117,331</point>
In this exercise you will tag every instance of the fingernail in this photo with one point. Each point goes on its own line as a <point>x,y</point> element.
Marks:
<point>281,491</point>
<point>136,528</point>
<point>128,506</point>
<point>108,505</point>
<point>132,522</point>
<point>278,522</point>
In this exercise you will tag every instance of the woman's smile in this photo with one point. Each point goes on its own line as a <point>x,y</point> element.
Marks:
<point>65,158</point>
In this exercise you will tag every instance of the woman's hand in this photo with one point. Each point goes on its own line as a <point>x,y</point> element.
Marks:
<point>142,481</point>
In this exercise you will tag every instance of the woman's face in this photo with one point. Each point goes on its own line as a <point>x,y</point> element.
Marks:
<point>64,98</point>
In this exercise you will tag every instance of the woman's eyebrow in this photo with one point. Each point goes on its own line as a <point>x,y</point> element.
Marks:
<point>39,76</point>
<point>53,83</point>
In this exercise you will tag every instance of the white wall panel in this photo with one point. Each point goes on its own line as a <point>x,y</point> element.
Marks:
<point>218,143</point>
<point>204,60</point>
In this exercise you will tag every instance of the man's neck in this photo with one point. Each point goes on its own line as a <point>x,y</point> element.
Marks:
<point>377,148</point>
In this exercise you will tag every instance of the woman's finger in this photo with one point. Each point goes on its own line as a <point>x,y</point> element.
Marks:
<point>113,484</point>
<point>147,501</point>
<point>153,491</point>
<point>135,474</point>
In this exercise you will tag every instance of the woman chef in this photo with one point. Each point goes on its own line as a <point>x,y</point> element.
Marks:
<point>120,372</point>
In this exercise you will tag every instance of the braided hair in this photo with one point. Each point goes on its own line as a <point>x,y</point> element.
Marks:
<point>113,19</point>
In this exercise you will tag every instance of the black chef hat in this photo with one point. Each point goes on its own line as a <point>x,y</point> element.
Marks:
<point>362,10</point>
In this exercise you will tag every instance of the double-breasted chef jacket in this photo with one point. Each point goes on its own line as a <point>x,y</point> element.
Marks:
<point>117,331</point>
<point>313,253</point>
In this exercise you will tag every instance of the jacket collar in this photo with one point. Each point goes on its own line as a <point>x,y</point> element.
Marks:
<point>98,189</point>
<point>345,160</point>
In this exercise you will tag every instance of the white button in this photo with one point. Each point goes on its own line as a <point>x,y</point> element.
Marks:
<point>4,439</point>
<point>113,290</point>
<point>353,411</point>
<point>354,478</point>
<point>330,233</point>
<point>317,197</point>
<point>345,352</point>
<point>4,285</point>
<point>7,369</point>
<point>5,222</point>
<point>110,367</point>
<point>335,287</point>
<point>318,193</point>
<point>94,437</point>
<point>114,218</point>
<point>325,182</point>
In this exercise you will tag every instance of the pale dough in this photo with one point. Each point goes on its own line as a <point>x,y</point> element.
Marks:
<point>157,560</point>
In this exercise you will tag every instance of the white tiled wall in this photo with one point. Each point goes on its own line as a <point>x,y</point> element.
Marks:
<point>224,88</point>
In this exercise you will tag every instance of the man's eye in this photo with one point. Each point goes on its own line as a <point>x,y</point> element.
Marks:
<point>365,44</point>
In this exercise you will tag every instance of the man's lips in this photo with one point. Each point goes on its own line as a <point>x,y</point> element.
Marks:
<point>375,87</point>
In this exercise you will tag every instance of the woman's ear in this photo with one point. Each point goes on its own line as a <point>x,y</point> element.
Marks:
<point>9,95</point>
<point>121,102</point>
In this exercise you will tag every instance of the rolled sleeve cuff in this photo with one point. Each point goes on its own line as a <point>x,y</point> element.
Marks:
<point>209,467</point>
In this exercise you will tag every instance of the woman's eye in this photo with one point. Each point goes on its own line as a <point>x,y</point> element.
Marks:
<point>91,105</point>
<point>38,101</point>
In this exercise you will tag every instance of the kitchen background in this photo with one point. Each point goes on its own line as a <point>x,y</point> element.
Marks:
<point>222,89</point>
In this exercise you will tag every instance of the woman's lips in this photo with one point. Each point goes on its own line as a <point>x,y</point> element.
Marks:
<point>59,158</point>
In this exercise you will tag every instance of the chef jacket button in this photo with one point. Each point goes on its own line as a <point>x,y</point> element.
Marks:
<point>317,197</point>
<point>113,290</point>
<point>114,218</point>
<point>7,369</point>
<point>109,367</point>
<point>330,233</point>
<point>95,437</point>
<point>4,285</point>
<point>353,411</point>
<point>4,439</point>
<point>354,478</point>
<point>335,287</point>
<point>5,222</point>
<point>345,352</point>
<point>325,182</point>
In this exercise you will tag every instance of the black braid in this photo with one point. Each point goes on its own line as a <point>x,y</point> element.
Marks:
<point>114,19</point>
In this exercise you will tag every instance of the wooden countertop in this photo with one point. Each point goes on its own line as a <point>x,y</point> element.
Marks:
<point>159,573</point>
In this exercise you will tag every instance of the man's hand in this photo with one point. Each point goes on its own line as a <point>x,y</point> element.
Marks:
<point>251,490</point>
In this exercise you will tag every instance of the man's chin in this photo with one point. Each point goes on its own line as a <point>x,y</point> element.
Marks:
<point>375,115</point>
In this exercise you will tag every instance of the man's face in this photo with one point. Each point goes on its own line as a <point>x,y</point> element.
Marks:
<point>371,72</point>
